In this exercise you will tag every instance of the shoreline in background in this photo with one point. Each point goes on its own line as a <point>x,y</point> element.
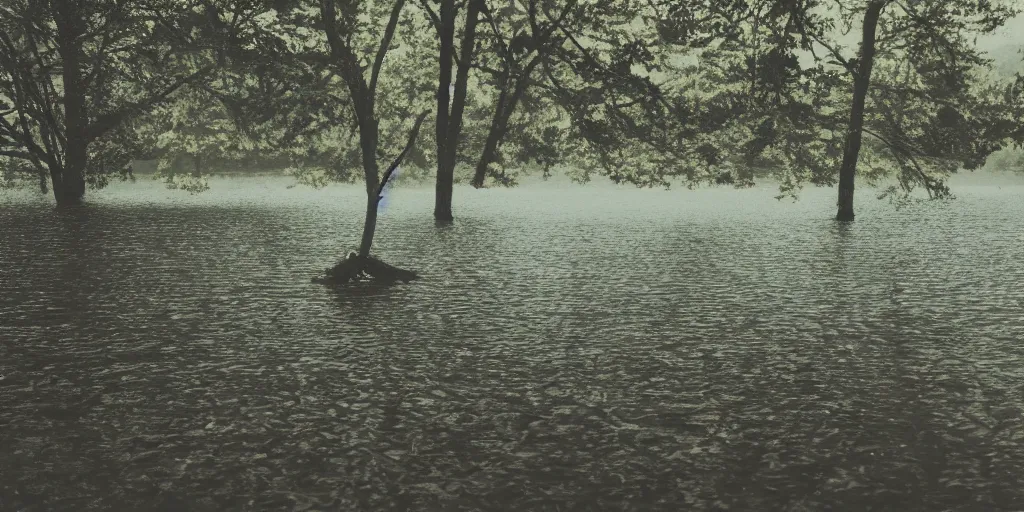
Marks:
<point>978,177</point>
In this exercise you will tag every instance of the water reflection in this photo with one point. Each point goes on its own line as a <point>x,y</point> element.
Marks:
<point>569,348</point>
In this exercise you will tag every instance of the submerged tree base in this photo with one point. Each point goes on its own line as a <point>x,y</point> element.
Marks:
<point>357,268</point>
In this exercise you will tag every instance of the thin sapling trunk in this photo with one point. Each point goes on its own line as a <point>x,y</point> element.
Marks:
<point>360,263</point>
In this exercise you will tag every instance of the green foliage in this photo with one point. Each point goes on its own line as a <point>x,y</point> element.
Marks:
<point>18,173</point>
<point>657,101</point>
<point>119,59</point>
<point>650,93</point>
<point>313,127</point>
<point>1007,160</point>
<point>932,109</point>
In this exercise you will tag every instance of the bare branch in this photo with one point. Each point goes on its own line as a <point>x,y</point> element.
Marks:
<point>385,44</point>
<point>22,155</point>
<point>398,160</point>
<point>431,14</point>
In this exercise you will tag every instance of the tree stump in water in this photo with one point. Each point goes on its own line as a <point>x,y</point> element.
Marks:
<point>355,268</point>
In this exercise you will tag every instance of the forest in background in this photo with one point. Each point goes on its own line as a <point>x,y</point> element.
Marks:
<point>650,93</point>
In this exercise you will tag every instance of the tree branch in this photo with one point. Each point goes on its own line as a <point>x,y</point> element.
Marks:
<point>432,15</point>
<point>846,63</point>
<point>348,62</point>
<point>26,85</point>
<point>24,134</point>
<point>385,44</point>
<point>557,22</point>
<point>458,103</point>
<point>106,122</point>
<point>898,149</point>
<point>22,155</point>
<point>408,146</point>
<point>503,49</point>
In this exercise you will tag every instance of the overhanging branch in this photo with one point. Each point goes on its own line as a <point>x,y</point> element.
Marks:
<point>385,44</point>
<point>21,155</point>
<point>106,122</point>
<point>398,160</point>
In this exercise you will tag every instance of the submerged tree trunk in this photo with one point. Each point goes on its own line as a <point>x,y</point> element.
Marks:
<point>368,141</point>
<point>445,172</point>
<point>363,94</point>
<point>360,263</point>
<point>861,85</point>
<point>70,188</point>
<point>54,123</point>
<point>451,100</point>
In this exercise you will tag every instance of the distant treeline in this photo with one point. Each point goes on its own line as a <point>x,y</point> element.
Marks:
<point>1006,160</point>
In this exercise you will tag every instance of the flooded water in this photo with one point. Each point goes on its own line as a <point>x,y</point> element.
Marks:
<point>568,348</point>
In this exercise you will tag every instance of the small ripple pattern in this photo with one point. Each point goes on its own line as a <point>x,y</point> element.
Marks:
<point>568,348</point>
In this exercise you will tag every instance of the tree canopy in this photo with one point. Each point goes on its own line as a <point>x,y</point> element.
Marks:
<point>650,93</point>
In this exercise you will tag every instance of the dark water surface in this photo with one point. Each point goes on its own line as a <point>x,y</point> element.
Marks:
<point>567,349</point>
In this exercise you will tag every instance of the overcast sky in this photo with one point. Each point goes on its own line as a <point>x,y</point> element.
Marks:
<point>1012,33</point>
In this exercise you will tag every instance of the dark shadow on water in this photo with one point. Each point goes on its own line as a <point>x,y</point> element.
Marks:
<point>367,302</point>
<point>842,230</point>
<point>77,245</point>
<point>464,228</point>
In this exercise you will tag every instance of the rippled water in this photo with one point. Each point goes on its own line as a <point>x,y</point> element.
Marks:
<point>567,349</point>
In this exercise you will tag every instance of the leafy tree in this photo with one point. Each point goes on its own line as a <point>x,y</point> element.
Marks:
<point>1014,96</point>
<point>506,45</point>
<point>353,100</point>
<point>780,116</point>
<point>75,74</point>
<point>194,126</point>
<point>519,37</point>
<point>341,22</point>
<point>915,87</point>
<point>247,112</point>
<point>640,110</point>
<point>451,96</point>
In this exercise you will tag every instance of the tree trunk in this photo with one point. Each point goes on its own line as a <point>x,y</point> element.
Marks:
<point>445,173</point>
<point>364,104</point>
<point>362,263</point>
<point>369,227</point>
<point>72,180</point>
<point>443,190</point>
<point>368,141</point>
<point>861,85</point>
<point>490,153</point>
<point>73,174</point>
<point>56,174</point>
<point>449,117</point>
<point>499,124</point>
